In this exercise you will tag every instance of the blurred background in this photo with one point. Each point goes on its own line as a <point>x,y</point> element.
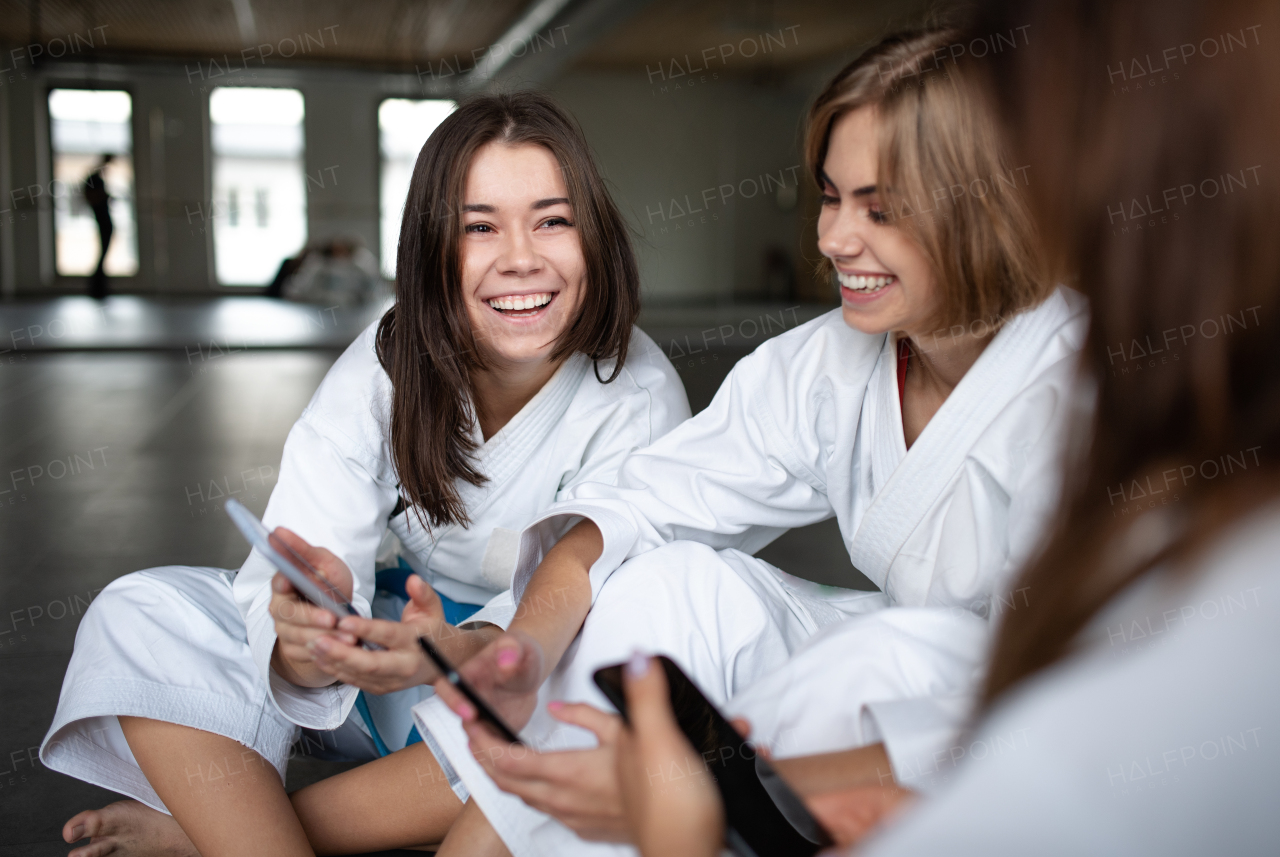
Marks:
<point>245,163</point>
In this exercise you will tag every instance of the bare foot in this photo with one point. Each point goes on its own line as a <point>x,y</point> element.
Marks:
<point>127,829</point>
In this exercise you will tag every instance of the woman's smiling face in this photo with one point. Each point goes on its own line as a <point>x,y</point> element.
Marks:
<point>523,270</point>
<point>886,281</point>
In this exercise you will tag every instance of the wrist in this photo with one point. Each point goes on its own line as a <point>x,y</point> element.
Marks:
<point>462,644</point>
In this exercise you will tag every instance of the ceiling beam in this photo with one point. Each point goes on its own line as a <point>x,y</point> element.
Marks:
<point>580,24</point>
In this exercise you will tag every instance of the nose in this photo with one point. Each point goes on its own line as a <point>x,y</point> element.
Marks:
<point>840,236</point>
<point>518,256</point>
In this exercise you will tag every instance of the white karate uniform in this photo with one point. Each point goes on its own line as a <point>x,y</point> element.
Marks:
<point>808,426</point>
<point>193,645</point>
<point>1156,737</point>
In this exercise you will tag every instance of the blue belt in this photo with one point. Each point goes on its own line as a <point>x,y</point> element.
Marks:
<point>392,580</point>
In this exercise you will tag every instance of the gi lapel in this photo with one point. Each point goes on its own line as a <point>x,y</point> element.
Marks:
<point>931,463</point>
<point>503,455</point>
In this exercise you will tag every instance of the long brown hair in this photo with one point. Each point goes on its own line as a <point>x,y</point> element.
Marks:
<point>1155,185</point>
<point>938,133</point>
<point>425,342</point>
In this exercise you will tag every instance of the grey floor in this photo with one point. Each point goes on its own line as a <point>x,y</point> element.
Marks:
<point>110,461</point>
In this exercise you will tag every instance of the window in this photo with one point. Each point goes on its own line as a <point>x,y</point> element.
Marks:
<point>403,126</point>
<point>259,188</point>
<point>87,126</point>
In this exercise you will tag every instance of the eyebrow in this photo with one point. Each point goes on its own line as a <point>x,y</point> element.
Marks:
<point>485,208</point>
<point>865,190</point>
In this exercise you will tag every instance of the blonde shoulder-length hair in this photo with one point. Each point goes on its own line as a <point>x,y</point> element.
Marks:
<point>943,175</point>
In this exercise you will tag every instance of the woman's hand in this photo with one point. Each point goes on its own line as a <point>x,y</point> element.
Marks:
<point>577,787</point>
<point>506,674</point>
<point>850,814</point>
<point>300,623</point>
<point>670,800</point>
<point>402,664</point>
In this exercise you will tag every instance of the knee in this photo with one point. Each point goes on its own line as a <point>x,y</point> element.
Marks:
<point>681,585</point>
<point>675,566</point>
<point>132,593</point>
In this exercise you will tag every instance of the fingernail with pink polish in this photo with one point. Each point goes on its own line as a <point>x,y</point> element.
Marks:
<point>508,657</point>
<point>638,666</point>
<point>466,712</point>
<point>555,705</point>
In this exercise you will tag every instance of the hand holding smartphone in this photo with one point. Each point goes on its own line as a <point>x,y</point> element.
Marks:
<point>310,583</point>
<point>763,816</point>
<point>483,711</point>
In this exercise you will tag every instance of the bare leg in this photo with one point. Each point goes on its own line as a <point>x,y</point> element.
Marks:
<point>226,798</point>
<point>472,836</point>
<point>400,801</point>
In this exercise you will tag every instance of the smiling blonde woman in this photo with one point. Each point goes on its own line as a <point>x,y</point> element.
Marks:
<point>926,415</point>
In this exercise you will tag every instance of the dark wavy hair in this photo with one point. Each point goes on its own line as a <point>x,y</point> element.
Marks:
<point>1113,148</point>
<point>425,342</point>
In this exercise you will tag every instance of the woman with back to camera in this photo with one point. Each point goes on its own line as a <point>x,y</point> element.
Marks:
<point>1143,671</point>
<point>507,373</point>
<point>927,414</point>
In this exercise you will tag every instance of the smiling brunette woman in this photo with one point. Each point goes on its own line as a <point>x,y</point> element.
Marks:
<point>508,373</point>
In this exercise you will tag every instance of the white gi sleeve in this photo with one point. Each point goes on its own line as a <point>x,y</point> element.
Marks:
<point>712,479</point>
<point>329,495</point>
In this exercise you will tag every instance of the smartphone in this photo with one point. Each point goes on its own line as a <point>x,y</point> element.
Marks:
<point>763,816</point>
<point>483,711</point>
<point>303,575</point>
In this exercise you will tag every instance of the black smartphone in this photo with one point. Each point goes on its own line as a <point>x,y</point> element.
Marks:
<point>763,816</point>
<point>483,711</point>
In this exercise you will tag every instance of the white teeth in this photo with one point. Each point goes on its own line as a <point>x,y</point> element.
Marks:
<point>521,302</point>
<point>859,283</point>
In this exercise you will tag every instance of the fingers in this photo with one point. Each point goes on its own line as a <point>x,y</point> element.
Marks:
<point>322,559</point>
<point>457,703</point>
<point>424,597</point>
<point>850,814</point>
<point>391,635</point>
<point>299,545</point>
<point>513,662</point>
<point>648,705</point>
<point>604,725</point>
<point>378,671</point>
<point>743,727</point>
<point>287,608</point>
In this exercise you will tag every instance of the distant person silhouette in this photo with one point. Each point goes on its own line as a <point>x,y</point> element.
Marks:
<point>95,194</point>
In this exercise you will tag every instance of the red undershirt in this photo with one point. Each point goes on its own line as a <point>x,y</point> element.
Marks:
<point>904,358</point>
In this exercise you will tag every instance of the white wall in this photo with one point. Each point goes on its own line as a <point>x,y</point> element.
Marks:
<point>655,147</point>
<point>661,147</point>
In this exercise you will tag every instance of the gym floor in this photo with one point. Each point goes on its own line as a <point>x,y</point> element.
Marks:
<point>116,460</point>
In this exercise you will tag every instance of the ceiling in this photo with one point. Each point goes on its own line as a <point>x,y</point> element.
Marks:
<point>409,34</point>
<point>786,34</point>
<point>383,33</point>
